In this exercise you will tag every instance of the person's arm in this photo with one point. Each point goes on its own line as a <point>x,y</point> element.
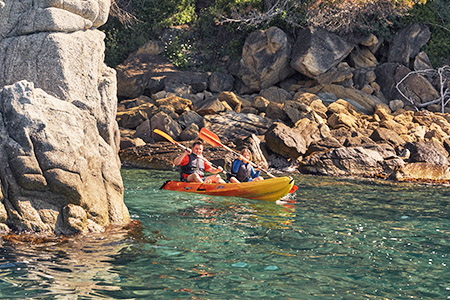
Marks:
<point>177,161</point>
<point>254,173</point>
<point>211,169</point>
<point>235,166</point>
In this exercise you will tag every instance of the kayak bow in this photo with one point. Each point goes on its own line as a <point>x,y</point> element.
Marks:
<point>268,190</point>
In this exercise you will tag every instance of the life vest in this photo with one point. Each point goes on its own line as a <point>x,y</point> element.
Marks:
<point>244,173</point>
<point>195,165</point>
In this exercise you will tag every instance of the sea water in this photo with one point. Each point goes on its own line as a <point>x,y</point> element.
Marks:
<point>332,239</point>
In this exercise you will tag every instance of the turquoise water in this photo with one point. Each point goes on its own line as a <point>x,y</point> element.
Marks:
<point>335,239</point>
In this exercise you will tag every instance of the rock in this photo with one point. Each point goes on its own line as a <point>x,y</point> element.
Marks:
<point>305,97</point>
<point>423,172</point>
<point>430,152</point>
<point>127,142</point>
<point>58,135</point>
<point>407,43</point>
<point>160,156</point>
<point>178,104</point>
<point>295,110</point>
<point>396,105</point>
<point>165,123</point>
<point>140,73</point>
<point>233,126</point>
<point>385,77</point>
<point>394,126</point>
<point>319,107</point>
<point>254,144</point>
<point>144,132</point>
<point>416,87</point>
<point>72,68</point>
<point>219,82</point>
<point>265,58</point>
<point>191,117</point>
<point>323,145</point>
<point>275,111</point>
<point>190,132</point>
<point>351,161</point>
<point>53,155</point>
<point>75,218</point>
<point>312,131</point>
<point>316,51</point>
<point>422,62</point>
<point>260,103</point>
<point>248,110</point>
<point>361,101</point>
<point>210,107</point>
<point>285,141</point>
<point>362,58</point>
<point>338,120</point>
<point>129,103</point>
<point>19,18</point>
<point>275,94</point>
<point>133,117</point>
<point>143,74</point>
<point>231,99</point>
<point>383,135</point>
<point>150,48</point>
<point>339,74</point>
<point>342,106</point>
<point>368,40</point>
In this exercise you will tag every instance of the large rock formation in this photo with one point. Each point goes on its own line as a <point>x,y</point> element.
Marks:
<point>265,58</point>
<point>59,140</point>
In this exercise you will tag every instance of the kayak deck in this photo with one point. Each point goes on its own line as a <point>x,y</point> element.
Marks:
<point>271,189</point>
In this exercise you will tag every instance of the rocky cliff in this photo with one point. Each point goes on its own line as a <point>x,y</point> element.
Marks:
<point>59,167</point>
<point>319,103</point>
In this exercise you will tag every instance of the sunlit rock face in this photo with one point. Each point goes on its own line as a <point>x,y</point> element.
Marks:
<point>60,170</point>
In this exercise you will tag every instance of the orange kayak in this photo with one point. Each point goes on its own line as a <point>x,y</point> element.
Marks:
<point>271,189</point>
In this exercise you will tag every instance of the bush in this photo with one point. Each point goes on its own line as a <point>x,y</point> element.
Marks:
<point>435,14</point>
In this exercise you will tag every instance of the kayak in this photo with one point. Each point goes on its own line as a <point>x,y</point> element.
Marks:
<point>271,189</point>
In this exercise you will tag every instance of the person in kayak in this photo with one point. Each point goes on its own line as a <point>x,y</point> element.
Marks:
<point>193,168</point>
<point>242,170</point>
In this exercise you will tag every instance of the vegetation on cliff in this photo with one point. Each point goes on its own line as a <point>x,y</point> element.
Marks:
<point>202,33</point>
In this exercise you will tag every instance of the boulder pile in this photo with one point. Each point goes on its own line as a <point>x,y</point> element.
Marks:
<point>323,104</point>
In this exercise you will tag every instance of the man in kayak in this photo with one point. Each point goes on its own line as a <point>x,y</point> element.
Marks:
<point>193,168</point>
<point>242,170</point>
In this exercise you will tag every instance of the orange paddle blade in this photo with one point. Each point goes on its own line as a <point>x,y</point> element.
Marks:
<point>209,137</point>
<point>165,135</point>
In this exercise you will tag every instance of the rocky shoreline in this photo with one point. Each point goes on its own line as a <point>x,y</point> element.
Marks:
<point>324,105</point>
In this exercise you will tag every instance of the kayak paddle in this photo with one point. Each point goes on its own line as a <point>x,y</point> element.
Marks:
<point>170,139</point>
<point>212,139</point>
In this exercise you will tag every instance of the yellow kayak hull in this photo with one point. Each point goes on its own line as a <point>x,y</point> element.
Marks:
<point>271,189</point>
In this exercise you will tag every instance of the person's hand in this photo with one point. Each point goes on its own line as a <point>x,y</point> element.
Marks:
<point>220,169</point>
<point>241,158</point>
<point>258,168</point>
<point>188,151</point>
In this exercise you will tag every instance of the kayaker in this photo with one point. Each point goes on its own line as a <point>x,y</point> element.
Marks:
<point>193,168</point>
<point>242,170</point>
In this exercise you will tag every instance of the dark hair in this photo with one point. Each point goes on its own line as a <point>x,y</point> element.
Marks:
<point>198,142</point>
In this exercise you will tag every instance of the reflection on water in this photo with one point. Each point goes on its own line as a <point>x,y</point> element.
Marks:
<point>340,239</point>
<point>62,267</point>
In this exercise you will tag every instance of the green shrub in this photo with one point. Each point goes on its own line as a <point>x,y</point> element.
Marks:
<point>435,14</point>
